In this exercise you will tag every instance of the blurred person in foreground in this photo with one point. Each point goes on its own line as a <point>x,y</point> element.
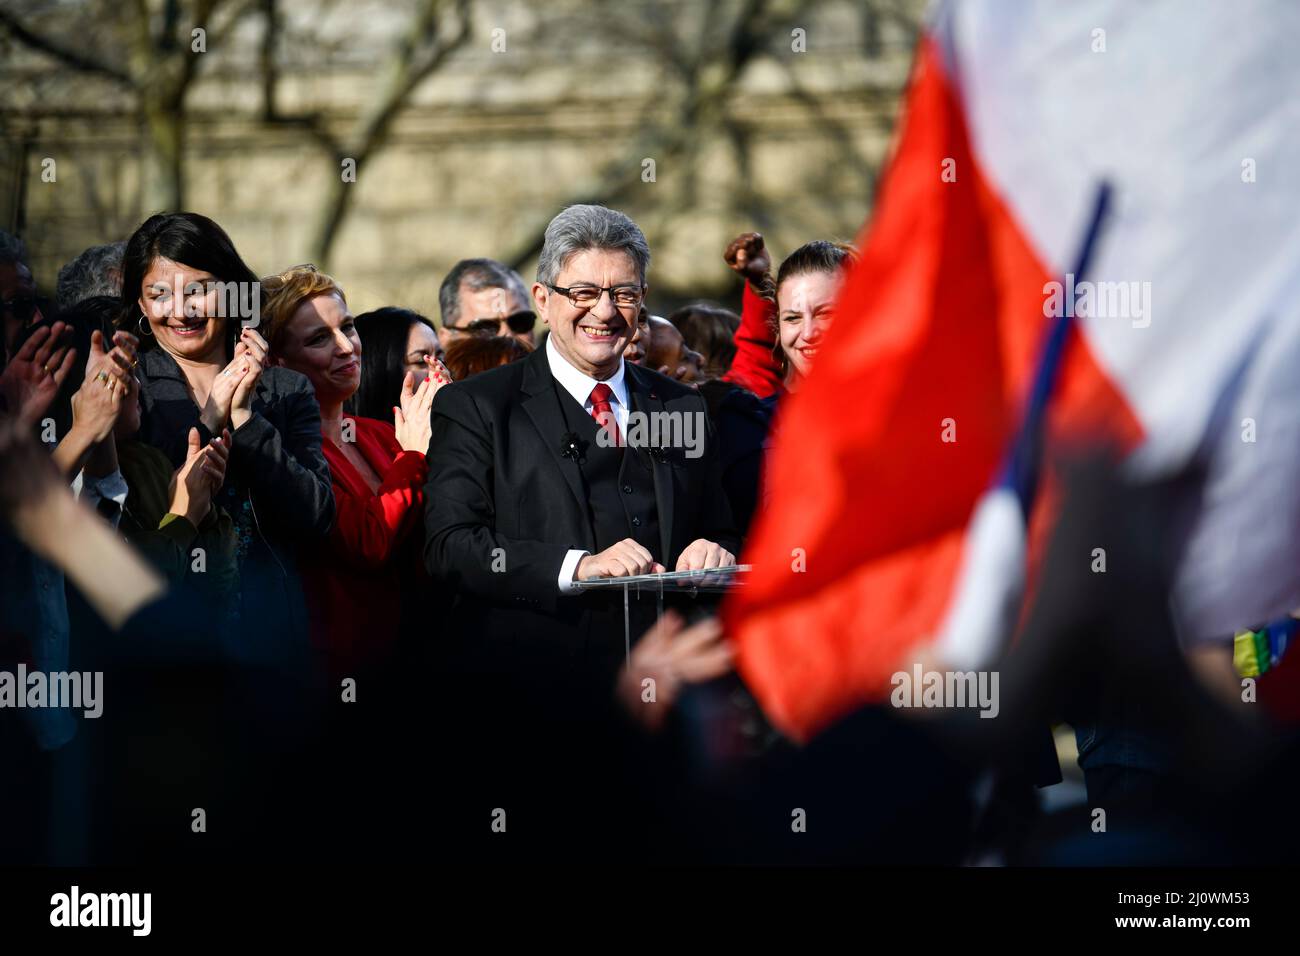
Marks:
<point>179,727</point>
<point>484,297</point>
<point>34,612</point>
<point>377,472</point>
<point>35,624</point>
<point>397,341</point>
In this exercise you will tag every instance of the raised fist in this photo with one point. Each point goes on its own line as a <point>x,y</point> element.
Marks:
<point>748,257</point>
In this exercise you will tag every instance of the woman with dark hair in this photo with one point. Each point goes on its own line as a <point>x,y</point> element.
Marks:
<point>807,287</point>
<point>710,330</point>
<point>186,293</point>
<point>782,322</point>
<point>397,341</point>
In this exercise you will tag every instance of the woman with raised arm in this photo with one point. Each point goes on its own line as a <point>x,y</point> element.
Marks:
<point>397,341</point>
<point>783,321</point>
<point>782,325</point>
<point>195,307</point>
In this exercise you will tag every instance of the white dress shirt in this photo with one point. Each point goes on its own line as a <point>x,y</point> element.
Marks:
<point>579,385</point>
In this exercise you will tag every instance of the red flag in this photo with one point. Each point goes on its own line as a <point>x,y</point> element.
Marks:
<point>881,454</point>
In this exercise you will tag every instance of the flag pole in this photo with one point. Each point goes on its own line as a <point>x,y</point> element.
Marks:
<point>990,585</point>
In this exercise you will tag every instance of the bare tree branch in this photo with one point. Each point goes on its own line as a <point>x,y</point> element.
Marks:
<point>218,34</point>
<point>406,71</point>
<point>840,135</point>
<point>77,61</point>
<point>268,68</point>
<point>416,56</point>
<point>704,104</point>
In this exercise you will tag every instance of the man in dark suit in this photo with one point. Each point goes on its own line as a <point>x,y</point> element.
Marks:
<point>528,492</point>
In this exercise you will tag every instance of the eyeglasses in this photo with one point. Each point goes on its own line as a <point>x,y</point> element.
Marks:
<point>586,296</point>
<point>519,323</point>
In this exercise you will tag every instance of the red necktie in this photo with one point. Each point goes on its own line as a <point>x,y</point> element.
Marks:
<point>603,413</point>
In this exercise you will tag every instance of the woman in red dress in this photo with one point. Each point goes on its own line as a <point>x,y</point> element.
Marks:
<point>354,584</point>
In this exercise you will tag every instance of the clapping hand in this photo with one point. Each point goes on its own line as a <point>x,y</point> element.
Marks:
<point>200,477</point>
<point>33,376</point>
<point>97,404</point>
<point>253,350</point>
<point>412,420</point>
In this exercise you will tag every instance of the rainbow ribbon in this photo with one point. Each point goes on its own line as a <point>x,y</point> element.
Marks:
<point>1256,650</point>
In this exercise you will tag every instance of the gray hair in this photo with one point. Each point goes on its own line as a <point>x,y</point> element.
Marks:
<point>478,274</point>
<point>12,249</point>
<point>578,228</point>
<point>97,271</point>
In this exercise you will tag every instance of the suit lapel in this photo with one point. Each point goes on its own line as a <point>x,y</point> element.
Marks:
<point>542,404</point>
<point>642,397</point>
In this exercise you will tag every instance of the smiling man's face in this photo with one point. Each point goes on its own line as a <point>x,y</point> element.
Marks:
<point>592,339</point>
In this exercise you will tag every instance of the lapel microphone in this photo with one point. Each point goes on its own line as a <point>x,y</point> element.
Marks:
<point>572,447</point>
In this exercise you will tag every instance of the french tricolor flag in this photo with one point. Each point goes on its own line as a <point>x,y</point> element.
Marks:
<point>1088,233</point>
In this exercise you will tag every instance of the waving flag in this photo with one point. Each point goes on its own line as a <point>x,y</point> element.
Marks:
<point>879,530</point>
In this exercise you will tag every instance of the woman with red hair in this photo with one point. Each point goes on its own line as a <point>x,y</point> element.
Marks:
<point>354,584</point>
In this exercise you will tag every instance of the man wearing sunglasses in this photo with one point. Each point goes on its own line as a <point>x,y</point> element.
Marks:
<point>484,297</point>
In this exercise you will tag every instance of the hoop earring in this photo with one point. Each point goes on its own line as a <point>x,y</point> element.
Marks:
<point>143,325</point>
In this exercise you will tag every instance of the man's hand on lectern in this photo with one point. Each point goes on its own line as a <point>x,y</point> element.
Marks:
<point>619,561</point>
<point>700,554</point>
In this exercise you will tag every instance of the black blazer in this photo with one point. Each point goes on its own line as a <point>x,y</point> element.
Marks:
<point>277,492</point>
<point>497,480</point>
<point>276,455</point>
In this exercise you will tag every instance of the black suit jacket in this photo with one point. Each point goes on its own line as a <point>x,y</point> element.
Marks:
<point>498,480</point>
